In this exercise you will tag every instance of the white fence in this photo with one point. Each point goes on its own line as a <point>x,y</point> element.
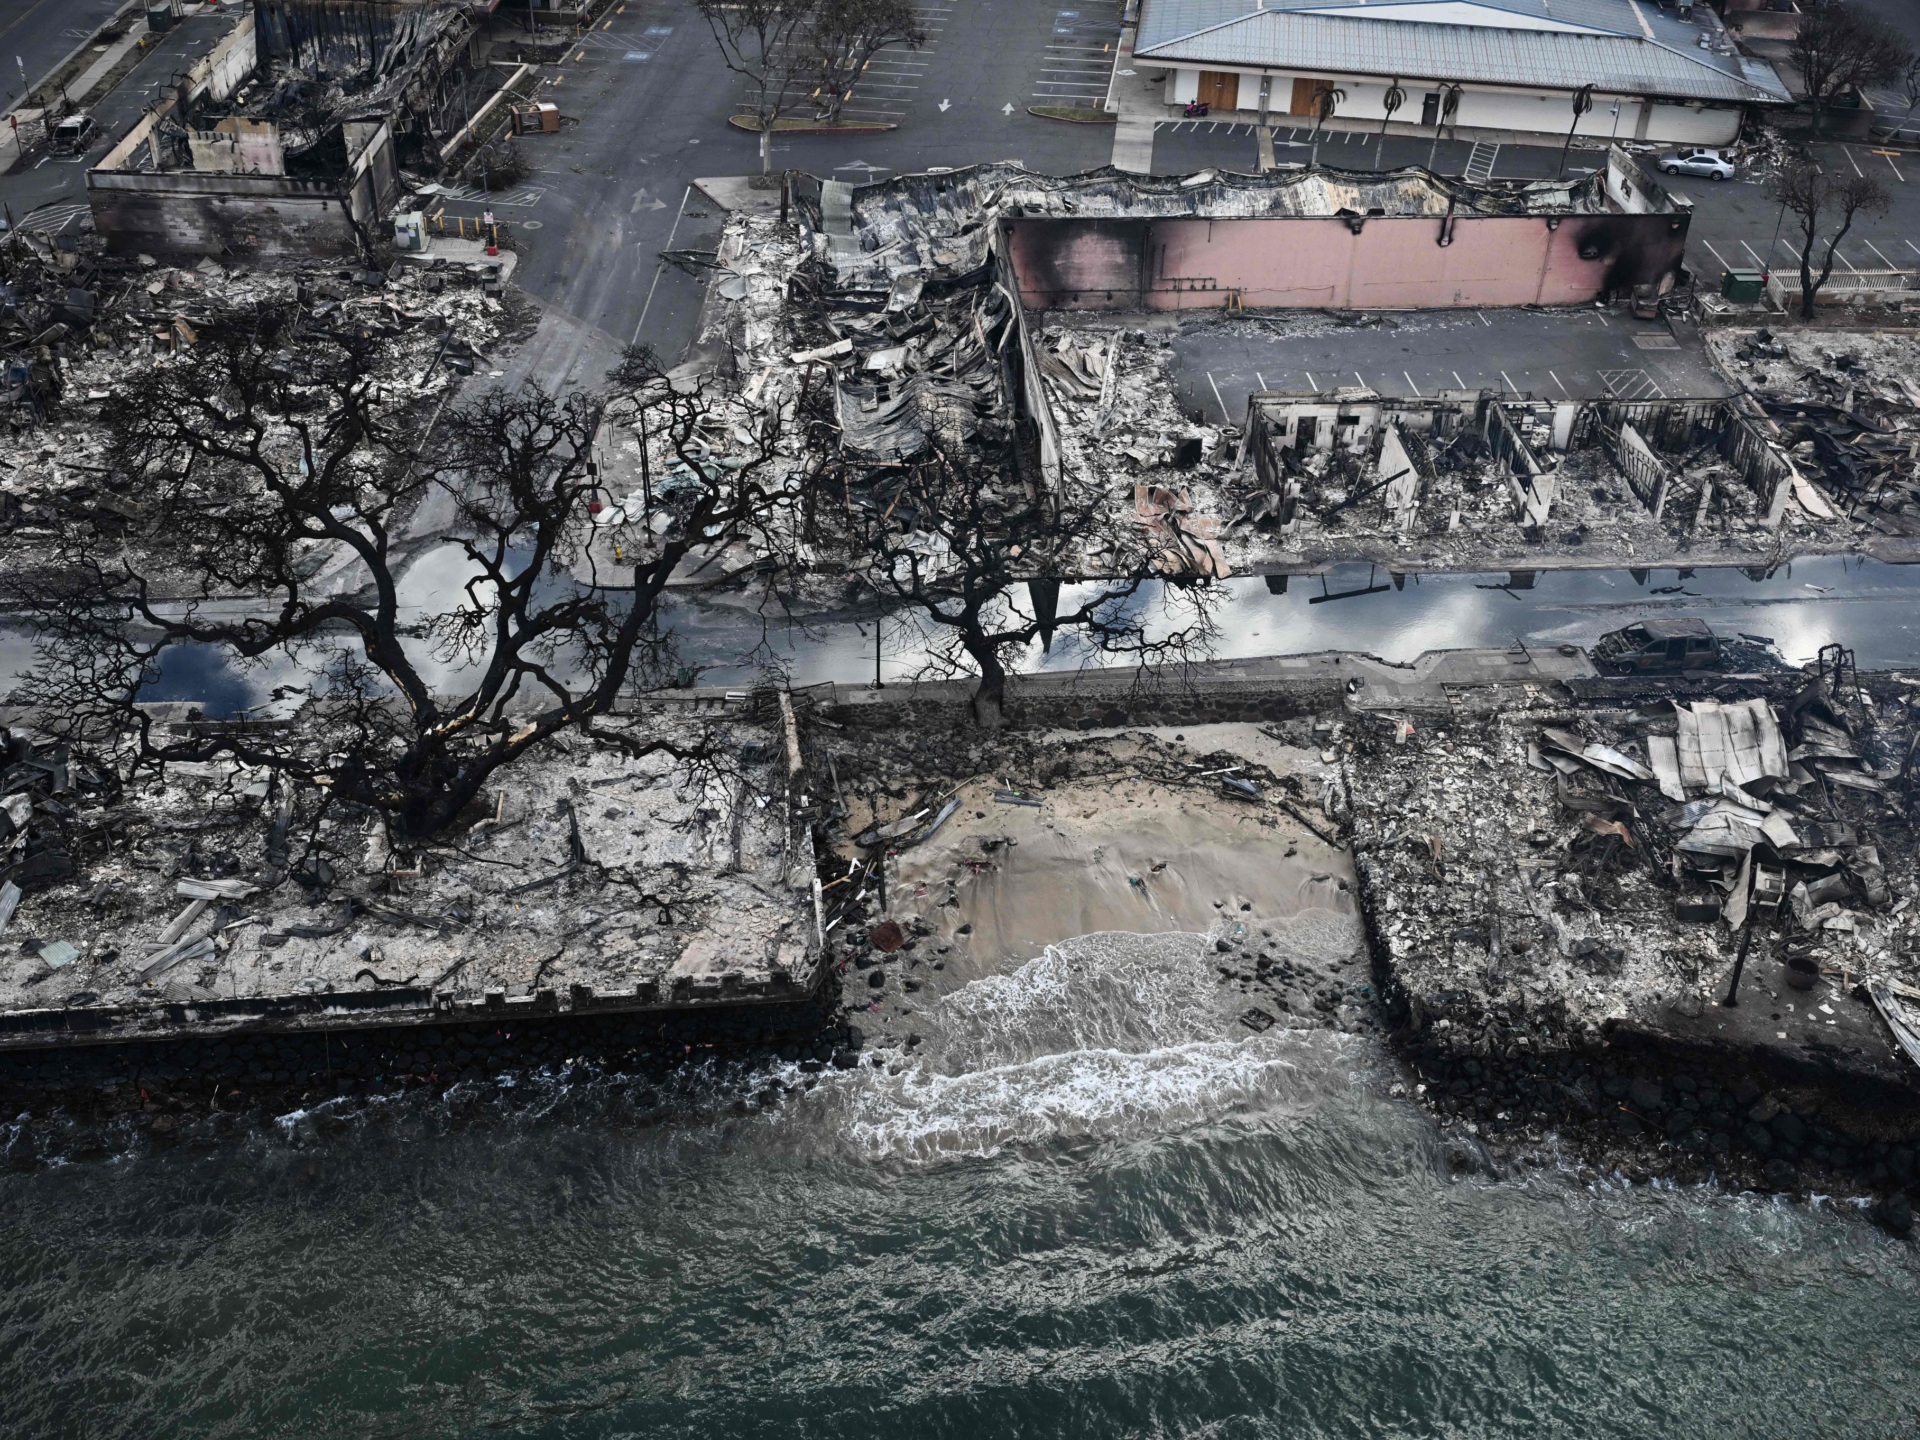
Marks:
<point>1896,288</point>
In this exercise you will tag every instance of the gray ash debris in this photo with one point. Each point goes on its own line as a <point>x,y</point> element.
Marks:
<point>79,328</point>
<point>44,834</point>
<point>1541,875</point>
<point>1845,406</point>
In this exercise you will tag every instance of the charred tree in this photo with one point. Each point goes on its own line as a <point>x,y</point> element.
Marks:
<point>283,491</point>
<point>951,538</point>
<point>1825,205</point>
<point>843,36</point>
<point>764,43</point>
<point>1839,48</point>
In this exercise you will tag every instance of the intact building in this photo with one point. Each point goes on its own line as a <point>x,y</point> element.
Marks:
<point>1669,76</point>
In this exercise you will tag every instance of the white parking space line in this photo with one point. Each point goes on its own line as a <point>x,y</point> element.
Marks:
<point>1878,251</point>
<point>1458,381</point>
<point>1261,378</point>
<point>1224,414</point>
<point>1848,152</point>
<point>1895,168</point>
<point>886,87</point>
<point>1510,385</point>
<point>1716,254</point>
<point>1312,384</point>
<point>1563,389</point>
<point>1756,254</point>
<point>1410,385</point>
<point>1078,59</point>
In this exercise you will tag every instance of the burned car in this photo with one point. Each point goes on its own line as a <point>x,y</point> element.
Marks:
<point>1659,647</point>
<point>73,134</point>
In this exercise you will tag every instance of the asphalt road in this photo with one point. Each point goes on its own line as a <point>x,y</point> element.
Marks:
<point>652,99</point>
<point>36,35</point>
<point>55,186</point>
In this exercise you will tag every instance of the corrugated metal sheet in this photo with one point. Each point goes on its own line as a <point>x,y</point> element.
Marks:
<point>1226,32</point>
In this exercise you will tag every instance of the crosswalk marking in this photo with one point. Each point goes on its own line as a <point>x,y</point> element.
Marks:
<point>52,219</point>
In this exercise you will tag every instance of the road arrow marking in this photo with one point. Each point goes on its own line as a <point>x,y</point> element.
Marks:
<point>945,105</point>
<point>1006,109</point>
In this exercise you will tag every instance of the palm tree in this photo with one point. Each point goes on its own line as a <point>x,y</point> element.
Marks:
<point>1324,104</point>
<point>1582,103</point>
<point>1449,107</point>
<point>1390,102</point>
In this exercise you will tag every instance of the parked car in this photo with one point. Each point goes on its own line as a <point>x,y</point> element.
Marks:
<point>73,134</point>
<point>1658,647</point>
<point>1710,164</point>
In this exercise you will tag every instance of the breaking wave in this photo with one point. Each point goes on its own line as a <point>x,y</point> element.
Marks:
<point>1107,1037</point>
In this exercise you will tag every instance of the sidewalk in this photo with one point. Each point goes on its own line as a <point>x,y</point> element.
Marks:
<point>79,90</point>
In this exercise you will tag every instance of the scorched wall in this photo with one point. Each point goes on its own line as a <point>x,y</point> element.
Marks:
<point>1346,263</point>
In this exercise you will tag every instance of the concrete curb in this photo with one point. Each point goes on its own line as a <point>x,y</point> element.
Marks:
<point>10,147</point>
<point>742,122</point>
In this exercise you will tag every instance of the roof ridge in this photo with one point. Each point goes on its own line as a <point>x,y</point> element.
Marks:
<point>1259,9</point>
<point>1709,62</point>
<point>1539,8</point>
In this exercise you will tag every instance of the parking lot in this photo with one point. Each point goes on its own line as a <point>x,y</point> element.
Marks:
<point>1547,355</point>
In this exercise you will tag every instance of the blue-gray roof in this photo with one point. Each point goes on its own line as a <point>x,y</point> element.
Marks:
<point>1618,46</point>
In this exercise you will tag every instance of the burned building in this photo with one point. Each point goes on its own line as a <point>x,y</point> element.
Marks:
<point>288,137</point>
<point>1546,874</point>
<point>1298,237</point>
<point>1355,475</point>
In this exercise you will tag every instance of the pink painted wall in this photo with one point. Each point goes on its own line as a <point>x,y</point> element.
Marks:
<point>1297,263</point>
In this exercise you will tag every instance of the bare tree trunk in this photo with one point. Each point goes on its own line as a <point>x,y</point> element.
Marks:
<point>766,147</point>
<point>990,696</point>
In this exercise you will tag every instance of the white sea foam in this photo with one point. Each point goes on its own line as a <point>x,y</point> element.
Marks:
<point>1105,1036</point>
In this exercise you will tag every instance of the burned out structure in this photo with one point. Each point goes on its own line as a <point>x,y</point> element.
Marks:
<point>1545,878</point>
<point>1308,237</point>
<point>1356,475</point>
<point>1103,273</point>
<point>288,137</point>
<point>1036,312</point>
<point>186,901</point>
<point>1328,239</point>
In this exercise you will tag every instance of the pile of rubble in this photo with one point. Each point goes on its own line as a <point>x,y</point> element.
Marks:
<point>1846,406</point>
<point>42,833</point>
<point>1536,876</point>
<point>585,880</point>
<point>77,328</point>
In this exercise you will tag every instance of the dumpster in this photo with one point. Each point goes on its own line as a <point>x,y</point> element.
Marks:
<point>1744,287</point>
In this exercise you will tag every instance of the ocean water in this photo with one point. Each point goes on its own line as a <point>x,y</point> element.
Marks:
<point>1088,1203</point>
